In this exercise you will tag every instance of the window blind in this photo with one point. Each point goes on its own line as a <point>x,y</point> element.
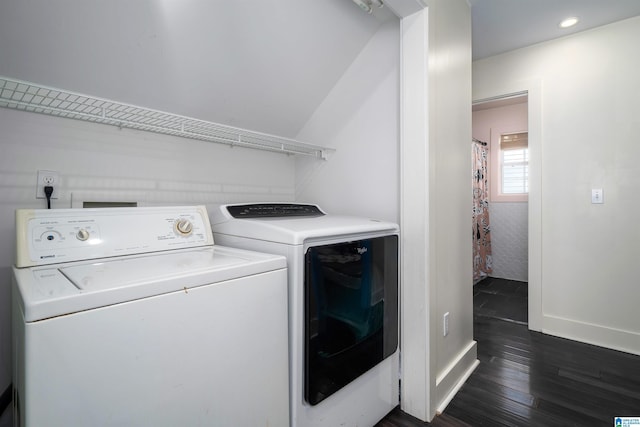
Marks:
<point>514,141</point>
<point>514,153</point>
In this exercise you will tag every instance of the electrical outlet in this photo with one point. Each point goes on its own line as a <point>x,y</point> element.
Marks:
<point>47,178</point>
<point>445,322</point>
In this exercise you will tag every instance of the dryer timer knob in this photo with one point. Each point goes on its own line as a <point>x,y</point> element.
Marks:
<point>82,235</point>
<point>184,227</point>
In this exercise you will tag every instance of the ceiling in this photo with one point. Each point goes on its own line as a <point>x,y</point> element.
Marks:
<point>503,25</point>
<point>258,65</point>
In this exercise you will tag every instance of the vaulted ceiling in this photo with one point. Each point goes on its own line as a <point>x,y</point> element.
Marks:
<point>262,65</point>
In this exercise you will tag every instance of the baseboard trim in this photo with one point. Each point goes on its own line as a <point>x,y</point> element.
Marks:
<point>447,399</point>
<point>602,336</point>
<point>5,399</point>
<point>451,379</point>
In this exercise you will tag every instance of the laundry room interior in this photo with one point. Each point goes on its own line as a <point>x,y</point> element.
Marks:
<point>206,64</point>
<point>378,118</point>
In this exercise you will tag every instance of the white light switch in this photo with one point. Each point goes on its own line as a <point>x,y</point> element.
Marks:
<point>597,196</point>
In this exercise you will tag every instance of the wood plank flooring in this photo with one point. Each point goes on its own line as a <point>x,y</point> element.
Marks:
<point>530,379</point>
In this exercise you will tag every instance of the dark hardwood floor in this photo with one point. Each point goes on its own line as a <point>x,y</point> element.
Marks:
<point>530,379</point>
<point>501,299</point>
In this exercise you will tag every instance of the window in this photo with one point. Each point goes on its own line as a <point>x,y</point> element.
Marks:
<point>514,163</point>
<point>509,166</point>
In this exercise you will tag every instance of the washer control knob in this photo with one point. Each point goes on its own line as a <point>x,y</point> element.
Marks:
<point>184,227</point>
<point>82,234</point>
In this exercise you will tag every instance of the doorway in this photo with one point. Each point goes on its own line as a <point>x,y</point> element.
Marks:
<point>500,127</point>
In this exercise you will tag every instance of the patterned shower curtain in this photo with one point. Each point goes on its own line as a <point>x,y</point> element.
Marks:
<point>482,260</point>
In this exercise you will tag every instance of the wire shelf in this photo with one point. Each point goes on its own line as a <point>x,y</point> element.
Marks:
<point>26,96</point>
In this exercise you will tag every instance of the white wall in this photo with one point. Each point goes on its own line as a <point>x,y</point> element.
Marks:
<point>588,139</point>
<point>449,190</point>
<point>360,118</point>
<point>509,220</point>
<point>100,162</point>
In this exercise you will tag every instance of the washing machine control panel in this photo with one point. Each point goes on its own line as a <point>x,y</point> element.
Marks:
<point>62,235</point>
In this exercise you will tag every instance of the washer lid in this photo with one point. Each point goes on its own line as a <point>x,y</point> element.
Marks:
<point>102,276</point>
<point>49,291</point>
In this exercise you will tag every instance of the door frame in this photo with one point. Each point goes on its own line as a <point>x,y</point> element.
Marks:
<point>533,88</point>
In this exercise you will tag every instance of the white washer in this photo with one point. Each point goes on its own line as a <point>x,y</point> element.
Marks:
<point>343,306</point>
<point>132,317</point>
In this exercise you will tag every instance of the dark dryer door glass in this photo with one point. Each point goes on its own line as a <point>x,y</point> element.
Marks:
<point>351,312</point>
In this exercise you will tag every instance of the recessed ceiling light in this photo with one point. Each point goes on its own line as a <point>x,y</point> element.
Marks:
<point>569,22</point>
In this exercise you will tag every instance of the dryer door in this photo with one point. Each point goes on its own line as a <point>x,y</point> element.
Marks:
<point>351,312</point>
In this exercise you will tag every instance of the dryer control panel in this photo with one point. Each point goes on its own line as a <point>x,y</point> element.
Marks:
<point>49,236</point>
<point>273,210</point>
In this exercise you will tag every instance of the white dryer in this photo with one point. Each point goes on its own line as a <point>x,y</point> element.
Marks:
<point>133,317</point>
<point>343,306</point>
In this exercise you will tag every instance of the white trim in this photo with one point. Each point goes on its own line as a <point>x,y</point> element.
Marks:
<point>416,388</point>
<point>534,90</point>
<point>451,379</point>
<point>535,204</point>
<point>590,333</point>
<point>470,349</point>
<point>447,399</point>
